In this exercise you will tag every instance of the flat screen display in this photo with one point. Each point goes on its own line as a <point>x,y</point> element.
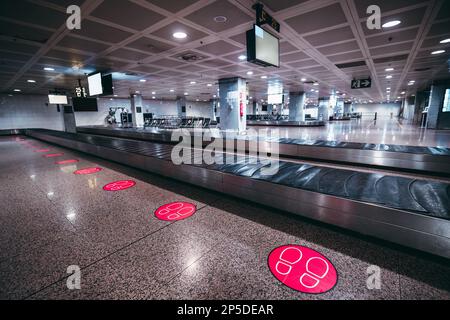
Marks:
<point>275,99</point>
<point>263,48</point>
<point>85,104</point>
<point>57,99</point>
<point>95,84</point>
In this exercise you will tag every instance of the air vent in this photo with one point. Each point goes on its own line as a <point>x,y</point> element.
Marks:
<point>391,59</point>
<point>190,56</point>
<point>422,69</point>
<point>351,64</point>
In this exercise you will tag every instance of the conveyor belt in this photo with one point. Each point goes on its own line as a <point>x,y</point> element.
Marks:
<point>428,160</point>
<point>408,211</point>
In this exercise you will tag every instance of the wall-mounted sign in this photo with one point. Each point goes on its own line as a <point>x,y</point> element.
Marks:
<point>361,84</point>
<point>80,92</point>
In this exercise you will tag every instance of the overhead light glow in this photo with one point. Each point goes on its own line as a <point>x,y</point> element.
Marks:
<point>143,80</point>
<point>316,83</point>
<point>193,82</point>
<point>389,69</point>
<point>209,85</point>
<point>263,77</point>
<point>17,90</point>
<point>31,81</point>
<point>242,57</point>
<point>438,52</point>
<point>389,77</point>
<point>445,41</point>
<point>49,69</point>
<point>391,24</point>
<point>180,35</point>
<point>153,92</point>
<point>303,79</point>
<point>171,90</point>
<point>249,73</point>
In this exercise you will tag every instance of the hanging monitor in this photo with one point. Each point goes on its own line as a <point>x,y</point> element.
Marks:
<point>85,104</point>
<point>263,48</point>
<point>100,85</point>
<point>57,99</point>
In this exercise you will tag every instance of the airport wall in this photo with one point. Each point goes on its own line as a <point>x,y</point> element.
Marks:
<point>383,109</point>
<point>29,111</point>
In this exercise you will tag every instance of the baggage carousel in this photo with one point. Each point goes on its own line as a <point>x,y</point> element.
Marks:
<point>407,211</point>
<point>426,160</point>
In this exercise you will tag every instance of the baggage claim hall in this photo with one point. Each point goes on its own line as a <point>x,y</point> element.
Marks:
<point>224,150</point>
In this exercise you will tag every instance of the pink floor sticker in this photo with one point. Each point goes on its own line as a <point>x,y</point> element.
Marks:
<point>88,170</point>
<point>70,161</point>
<point>302,269</point>
<point>175,211</point>
<point>42,150</point>
<point>53,155</point>
<point>119,185</point>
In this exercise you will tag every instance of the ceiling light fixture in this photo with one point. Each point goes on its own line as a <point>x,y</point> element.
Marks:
<point>143,80</point>
<point>17,90</point>
<point>242,57</point>
<point>171,90</point>
<point>389,77</point>
<point>209,85</point>
<point>186,94</point>
<point>31,81</point>
<point>263,77</point>
<point>316,83</point>
<point>438,52</point>
<point>445,41</point>
<point>49,69</point>
<point>180,35</point>
<point>193,82</point>
<point>389,69</point>
<point>153,93</point>
<point>391,24</point>
<point>249,73</point>
<point>220,19</point>
<point>303,79</point>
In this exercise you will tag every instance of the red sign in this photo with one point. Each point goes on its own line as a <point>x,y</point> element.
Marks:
<point>175,211</point>
<point>53,155</point>
<point>119,185</point>
<point>67,161</point>
<point>42,150</point>
<point>88,170</point>
<point>302,269</point>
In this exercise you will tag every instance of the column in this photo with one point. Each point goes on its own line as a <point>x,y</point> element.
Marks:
<point>136,110</point>
<point>233,111</point>
<point>324,105</point>
<point>181,107</point>
<point>296,106</point>
<point>213,109</point>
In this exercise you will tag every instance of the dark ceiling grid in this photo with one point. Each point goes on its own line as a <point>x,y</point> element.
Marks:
<point>349,43</point>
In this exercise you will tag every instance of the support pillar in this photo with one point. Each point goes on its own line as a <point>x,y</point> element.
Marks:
<point>296,106</point>
<point>181,107</point>
<point>232,93</point>
<point>136,110</point>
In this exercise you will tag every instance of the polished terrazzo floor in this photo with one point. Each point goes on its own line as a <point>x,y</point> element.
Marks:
<point>51,219</point>
<point>385,130</point>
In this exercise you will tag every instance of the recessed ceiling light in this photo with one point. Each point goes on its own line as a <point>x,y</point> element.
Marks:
<point>403,92</point>
<point>49,69</point>
<point>153,92</point>
<point>303,79</point>
<point>438,52</point>
<point>193,82</point>
<point>389,69</point>
<point>316,83</point>
<point>186,94</point>
<point>214,96</point>
<point>153,97</point>
<point>220,19</point>
<point>143,80</point>
<point>171,90</point>
<point>391,24</point>
<point>180,35</point>
<point>263,77</point>
<point>115,95</point>
<point>209,85</point>
<point>17,90</point>
<point>31,81</point>
<point>389,77</point>
<point>312,90</point>
<point>249,73</point>
<point>242,57</point>
<point>445,41</point>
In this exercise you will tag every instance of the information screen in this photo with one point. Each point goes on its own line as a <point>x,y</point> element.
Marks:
<point>57,99</point>
<point>95,84</point>
<point>267,47</point>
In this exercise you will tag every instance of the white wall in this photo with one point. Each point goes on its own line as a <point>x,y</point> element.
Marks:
<point>29,111</point>
<point>98,118</point>
<point>383,110</point>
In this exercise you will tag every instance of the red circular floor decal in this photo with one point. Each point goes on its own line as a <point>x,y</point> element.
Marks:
<point>119,185</point>
<point>42,150</point>
<point>90,171</point>
<point>302,269</point>
<point>53,155</point>
<point>175,211</point>
<point>67,161</point>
